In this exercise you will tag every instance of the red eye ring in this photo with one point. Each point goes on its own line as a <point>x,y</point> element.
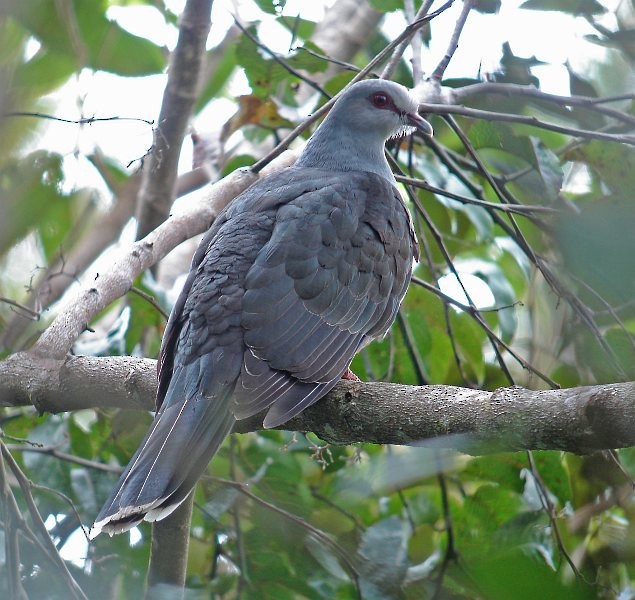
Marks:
<point>380,100</point>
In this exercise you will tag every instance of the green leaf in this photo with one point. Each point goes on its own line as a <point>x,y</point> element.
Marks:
<point>502,469</point>
<point>614,163</point>
<point>238,162</point>
<point>499,136</point>
<point>504,295</point>
<point>272,7</point>
<point>225,67</point>
<point>301,59</point>
<point>90,38</point>
<point>554,475</point>
<point>598,246</point>
<point>495,574</point>
<point>574,7</point>
<point>619,366</point>
<point>487,6</point>
<point>383,554</point>
<point>45,72</point>
<point>469,338</point>
<point>548,166</point>
<point>300,28</point>
<point>387,5</point>
<point>263,74</point>
<point>145,321</point>
<point>324,555</point>
<point>59,221</point>
<point>29,191</point>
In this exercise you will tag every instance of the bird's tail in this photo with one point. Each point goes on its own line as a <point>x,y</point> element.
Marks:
<point>186,432</point>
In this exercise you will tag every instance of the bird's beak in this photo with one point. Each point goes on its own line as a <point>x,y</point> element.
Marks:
<point>416,120</point>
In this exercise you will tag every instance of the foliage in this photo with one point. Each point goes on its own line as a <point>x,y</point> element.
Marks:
<point>540,221</point>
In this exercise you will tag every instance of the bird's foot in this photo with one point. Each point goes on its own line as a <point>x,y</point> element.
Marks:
<point>348,374</point>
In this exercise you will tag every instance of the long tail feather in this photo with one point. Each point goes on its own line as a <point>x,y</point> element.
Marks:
<point>177,448</point>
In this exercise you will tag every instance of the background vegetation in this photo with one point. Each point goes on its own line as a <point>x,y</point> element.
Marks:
<point>523,199</point>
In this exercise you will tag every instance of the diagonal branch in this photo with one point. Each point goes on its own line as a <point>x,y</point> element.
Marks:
<point>379,58</point>
<point>186,62</point>
<point>438,72</point>
<point>88,301</point>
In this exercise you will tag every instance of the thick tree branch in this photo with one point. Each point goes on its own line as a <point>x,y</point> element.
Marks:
<point>581,420</point>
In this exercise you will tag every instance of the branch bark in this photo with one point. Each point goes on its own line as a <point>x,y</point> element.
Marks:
<point>110,285</point>
<point>181,90</point>
<point>170,537</point>
<point>581,420</point>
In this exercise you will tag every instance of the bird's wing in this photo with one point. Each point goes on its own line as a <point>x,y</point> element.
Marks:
<point>201,359</point>
<point>330,278</point>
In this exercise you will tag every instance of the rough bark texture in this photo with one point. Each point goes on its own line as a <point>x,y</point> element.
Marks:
<point>579,420</point>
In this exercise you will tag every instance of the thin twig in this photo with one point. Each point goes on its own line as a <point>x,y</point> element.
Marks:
<point>25,485</point>
<point>514,232</point>
<point>55,453</point>
<point>318,533</point>
<point>436,234</point>
<point>610,309</point>
<point>450,300</point>
<point>283,63</point>
<point>530,91</point>
<point>487,115</point>
<point>545,500</point>
<point>450,550</point>
<point>29,313</point>
<point>438,72</point>
<point>413,349</point>
<point>66,499</point>
<point>240,546</point>
<point>80,121</point>
<point>340,63</point>
<point>286,141</point>
<point>148,298</point>
<point>349,515</point>
<point>521,209</point>
<point>11,545</point>
<point>389,69</point>
<point>495,339</point>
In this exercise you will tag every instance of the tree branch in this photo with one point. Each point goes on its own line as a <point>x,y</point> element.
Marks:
<point>529,91</point>
<point>89,300</point>
<point>581,420</point>
<point>487,115</point>
<point>438,72</point>
<point>179,97</point>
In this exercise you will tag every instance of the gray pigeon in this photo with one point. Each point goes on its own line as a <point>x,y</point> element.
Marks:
<point>297,274</point>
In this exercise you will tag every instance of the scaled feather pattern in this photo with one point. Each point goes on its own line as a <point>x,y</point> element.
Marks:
<point>294,277</point>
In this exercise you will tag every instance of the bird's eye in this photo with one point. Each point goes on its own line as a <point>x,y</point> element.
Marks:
<point>380,100</point>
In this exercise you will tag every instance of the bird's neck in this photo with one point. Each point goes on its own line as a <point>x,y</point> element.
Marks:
<point>335,147</point>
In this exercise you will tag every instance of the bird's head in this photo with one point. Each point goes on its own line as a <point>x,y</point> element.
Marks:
<point>381,106</point>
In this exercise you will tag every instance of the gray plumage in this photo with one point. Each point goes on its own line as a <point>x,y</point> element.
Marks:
<point>297,274</point>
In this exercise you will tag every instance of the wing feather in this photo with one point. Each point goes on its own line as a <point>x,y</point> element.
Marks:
<point>329,280</point>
